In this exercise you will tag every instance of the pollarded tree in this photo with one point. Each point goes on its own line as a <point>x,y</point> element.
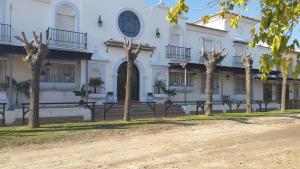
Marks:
<point>248,62</point>
<point>278,19</point>
<point>131,53</point>
<point>210,64</point>
<point>36,52</point>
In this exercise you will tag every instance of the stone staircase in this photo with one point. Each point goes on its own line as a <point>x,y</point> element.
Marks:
<point>138,110</point>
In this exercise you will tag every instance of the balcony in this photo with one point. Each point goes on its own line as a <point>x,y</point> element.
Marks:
<point>237,61</point>
<point>68,40</point>
<point>178,54</point>
<point>5,33</point>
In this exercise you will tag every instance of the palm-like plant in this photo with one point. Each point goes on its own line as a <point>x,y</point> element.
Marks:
<point>169,92</point>
<point>21,88</point>
<point>81,93</point>
<point>95,82</point>
<point>159,84</point>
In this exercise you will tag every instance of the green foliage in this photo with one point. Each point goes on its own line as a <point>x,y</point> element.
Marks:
<point>158,85</point>
<point>82,92</point>
<point>278,20</point>
<point>169,92</point>
<point>177,10</point>
<point>22,87</point>
<point>95,82</point>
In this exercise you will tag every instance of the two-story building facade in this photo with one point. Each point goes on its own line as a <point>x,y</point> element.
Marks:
<point>87,42</point>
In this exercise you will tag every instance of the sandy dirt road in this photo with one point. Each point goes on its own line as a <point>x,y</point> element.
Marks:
<point>261,143</point>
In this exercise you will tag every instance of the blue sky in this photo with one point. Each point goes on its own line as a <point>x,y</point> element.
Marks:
<point>199,8</point>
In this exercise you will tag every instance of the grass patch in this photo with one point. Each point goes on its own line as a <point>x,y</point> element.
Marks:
<point>18,136</point>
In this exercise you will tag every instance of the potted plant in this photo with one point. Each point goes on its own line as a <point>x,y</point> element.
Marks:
<point>170,93</point>
<point>95,83</point>
<point>158,85</point>
<point>81,93</point>
<point>21,88</point>
<point>110,97</point>
<point>150,97</point>
<point>67,77</point>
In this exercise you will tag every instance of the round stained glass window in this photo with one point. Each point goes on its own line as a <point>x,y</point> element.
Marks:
<point>129,24</point>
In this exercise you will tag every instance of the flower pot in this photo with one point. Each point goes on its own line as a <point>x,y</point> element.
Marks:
<point>110,98</point>
<point>150,98</point>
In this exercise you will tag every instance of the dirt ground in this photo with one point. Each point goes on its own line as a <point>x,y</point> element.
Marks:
<point>262,143</point>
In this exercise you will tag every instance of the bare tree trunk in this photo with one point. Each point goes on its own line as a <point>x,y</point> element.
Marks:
<point>128,91</point>
<point>249,82</point>
<point>36,52</point>
<point>34,98</point>
<point>283,93</point>
<point>209,91</point>
<point>131,54</point>
<point>248,61</point>
<point>210,64</point>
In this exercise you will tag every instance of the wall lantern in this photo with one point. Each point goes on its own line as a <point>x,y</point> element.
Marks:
<point>100,22</point>
<point>47,66</point>
<point>157,33</point>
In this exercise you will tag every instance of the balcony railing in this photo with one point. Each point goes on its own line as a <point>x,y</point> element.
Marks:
<point>177,53</point>
<point>237,61</point>
<point>5,33</point>
<point>67,39</point>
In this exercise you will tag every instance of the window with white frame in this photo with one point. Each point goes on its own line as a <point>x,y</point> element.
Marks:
<point>176,78</point>
<point>239,85</point>
<point>216,85</point>
<point>208,45</point>
<point>3,82</point>
<point>239,51</point>
<point>56,72</point>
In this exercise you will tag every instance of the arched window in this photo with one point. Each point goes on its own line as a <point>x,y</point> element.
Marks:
<point>66,17</point>
<point>129,24</point>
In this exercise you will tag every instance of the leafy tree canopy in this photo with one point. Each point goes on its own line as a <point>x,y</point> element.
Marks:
<point>277,23</point>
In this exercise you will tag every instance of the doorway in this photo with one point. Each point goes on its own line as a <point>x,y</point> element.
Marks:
<point>121,84</point>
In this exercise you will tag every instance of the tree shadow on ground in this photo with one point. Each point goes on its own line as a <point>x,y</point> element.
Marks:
<point>93,126</point>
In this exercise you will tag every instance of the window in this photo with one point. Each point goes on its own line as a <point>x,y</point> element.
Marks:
<point>239,50</point>
<point>207,46</point>
<point>177,79</point>
<point>3,82</point>
<point>66,18</point>
<point>129,24</point>
<point>216,87</point>
<point>59,73</point>
<point>240,85</point>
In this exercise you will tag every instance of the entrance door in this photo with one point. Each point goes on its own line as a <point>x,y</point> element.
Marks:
<point>267,92</point>
<point>122,76</point>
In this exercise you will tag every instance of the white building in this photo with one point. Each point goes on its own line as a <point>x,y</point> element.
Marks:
<point>87,39</point>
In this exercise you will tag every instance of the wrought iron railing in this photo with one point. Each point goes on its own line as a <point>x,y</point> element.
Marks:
<point>5,33</point>
<point>178,53</point>
<point>237,61</point>
<point>67,39</point>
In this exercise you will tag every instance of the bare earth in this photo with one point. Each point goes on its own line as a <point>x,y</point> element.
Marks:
<point>262,143</point>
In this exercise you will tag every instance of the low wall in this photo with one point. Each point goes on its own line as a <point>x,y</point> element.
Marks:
<point>11,116</point>
<point>225,108</point>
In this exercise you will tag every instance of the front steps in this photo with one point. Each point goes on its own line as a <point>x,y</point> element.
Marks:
<point>138,110</point>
